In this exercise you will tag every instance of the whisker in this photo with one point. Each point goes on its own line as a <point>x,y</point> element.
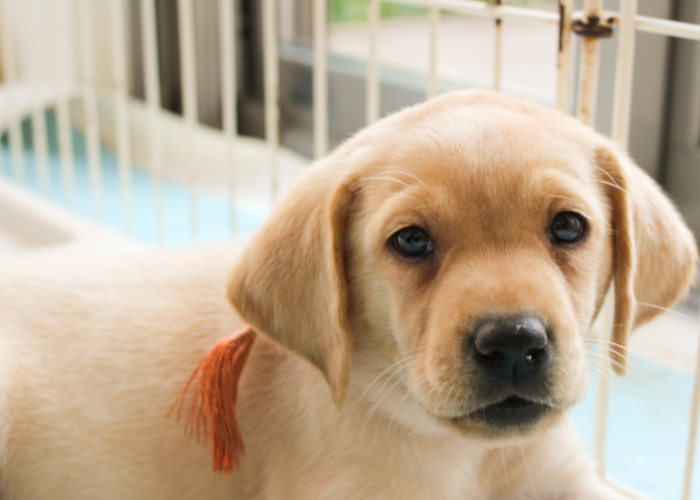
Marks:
<point>382,178</point>
<point>614,362</point>
<point>625,349</point>
<point>393,415</point>
<point>505,471</point>
<point>631,364</point>
<point>400,363</point>
<point>527,467</point>
<point>654,306</point>
<point>409,174</point>
<point>376,405</point>
<point>601,371</point>
<point>612,179</point>
<point>611,185</point>
<point>374,409</point>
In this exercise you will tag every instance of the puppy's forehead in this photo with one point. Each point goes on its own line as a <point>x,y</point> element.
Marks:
<point>484,136</point>
<point>482,153</point>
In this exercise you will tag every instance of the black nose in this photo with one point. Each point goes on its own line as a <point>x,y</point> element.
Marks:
<point>511,348</point>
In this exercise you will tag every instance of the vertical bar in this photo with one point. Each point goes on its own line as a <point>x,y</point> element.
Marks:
<point>119,71</point>
<point>564,55</point>
<point>373,84</point>
<point>10,68</point>
<point>603,382</point>
<point>90,97</point>
<point>227,52</point>
<point>497,52</point>
<point>188,77</point>
<point>623,74</point>
<point>590,63</point>
<point>152,91</point>
<point>271,76</point>
<point>63,105</point>
<point>38,118</point>
<point>432,61</point>
<point>3,104</point>
<point>320,79</point>
<point>2,132</point>
<point>693,432</point>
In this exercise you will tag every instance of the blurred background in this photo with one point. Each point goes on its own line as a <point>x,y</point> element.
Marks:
<point>45,45</point>
<point>172,122</point>
<point>664,137</point>
<point>665,86</point>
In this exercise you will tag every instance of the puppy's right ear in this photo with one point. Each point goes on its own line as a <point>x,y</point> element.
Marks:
<point>290,282</point>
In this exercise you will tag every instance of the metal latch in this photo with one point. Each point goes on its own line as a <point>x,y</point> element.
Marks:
<point>594,26</point>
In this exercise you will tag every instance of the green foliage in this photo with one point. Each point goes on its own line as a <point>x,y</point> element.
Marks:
<point>355,11</point>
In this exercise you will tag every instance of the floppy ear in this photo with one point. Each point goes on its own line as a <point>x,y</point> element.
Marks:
<point>654,252</point>
<point>290,282</point>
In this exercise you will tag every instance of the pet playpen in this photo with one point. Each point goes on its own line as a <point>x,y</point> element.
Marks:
<point>72,132</point>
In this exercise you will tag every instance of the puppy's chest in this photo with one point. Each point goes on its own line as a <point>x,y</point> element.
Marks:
<point>427,477</point>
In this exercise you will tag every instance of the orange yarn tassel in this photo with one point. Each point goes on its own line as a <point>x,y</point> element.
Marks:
<point>212,411</point>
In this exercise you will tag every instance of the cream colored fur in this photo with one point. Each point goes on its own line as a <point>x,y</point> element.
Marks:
<point>356,388</point>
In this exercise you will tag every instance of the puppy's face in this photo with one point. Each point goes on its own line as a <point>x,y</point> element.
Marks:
<point>445,264</point>
<point>477,261</point>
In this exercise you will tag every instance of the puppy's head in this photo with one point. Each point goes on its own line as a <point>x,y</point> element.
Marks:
<point>446,263</point>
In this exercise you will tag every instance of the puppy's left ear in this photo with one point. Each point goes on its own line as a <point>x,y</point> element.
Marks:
<point>654,252</point>
<point>290,282</point>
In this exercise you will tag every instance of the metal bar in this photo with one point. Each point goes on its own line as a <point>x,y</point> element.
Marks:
<point>623,74</point>
<point>152,90</point>
<point>227,52</point>
<point>627,492</point>
<point>564,55</point>
<point>590,65</point>
<point>470,7</point>
<point>38,117</point>
<point>373,84</point>
<point>2,156</point>
<point>320,79</point>
<point>92,131</point>
<point>603,383</point>
<point>188,76</point>
<point>119,70</point>
<point>479,9</point>
<point>670,28</point>
<point>432,51</point>
<point>693,431</point>
<point>497,52</point>
<point>65,139</point>
<point>271,83</point>
<point>10,69</point>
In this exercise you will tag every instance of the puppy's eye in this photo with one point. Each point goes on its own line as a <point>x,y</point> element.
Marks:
<point>567,227</point>
<point>412,242</point>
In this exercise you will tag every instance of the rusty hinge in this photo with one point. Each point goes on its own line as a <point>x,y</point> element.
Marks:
<point>594,26</point>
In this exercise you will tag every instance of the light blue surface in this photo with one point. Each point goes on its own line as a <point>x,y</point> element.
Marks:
<point>212,209</point>
<point>649,408</point>
<point>648,423</point>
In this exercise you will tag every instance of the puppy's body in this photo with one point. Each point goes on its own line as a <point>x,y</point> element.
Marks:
<point>94,349</point>
<point>87,383</point>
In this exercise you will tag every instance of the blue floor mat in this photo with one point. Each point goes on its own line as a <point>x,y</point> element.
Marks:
<point>647,434</point>
<point>649,411</point>
<point>213,211</point>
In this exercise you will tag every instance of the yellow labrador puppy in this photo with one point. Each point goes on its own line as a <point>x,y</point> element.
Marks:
<point>420,297</point>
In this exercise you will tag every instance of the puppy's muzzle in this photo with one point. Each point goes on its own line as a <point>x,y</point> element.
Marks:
<point>511,350</point>
<point>513,356</point>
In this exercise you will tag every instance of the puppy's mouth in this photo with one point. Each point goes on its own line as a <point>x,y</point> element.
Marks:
<point>513,411</point>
